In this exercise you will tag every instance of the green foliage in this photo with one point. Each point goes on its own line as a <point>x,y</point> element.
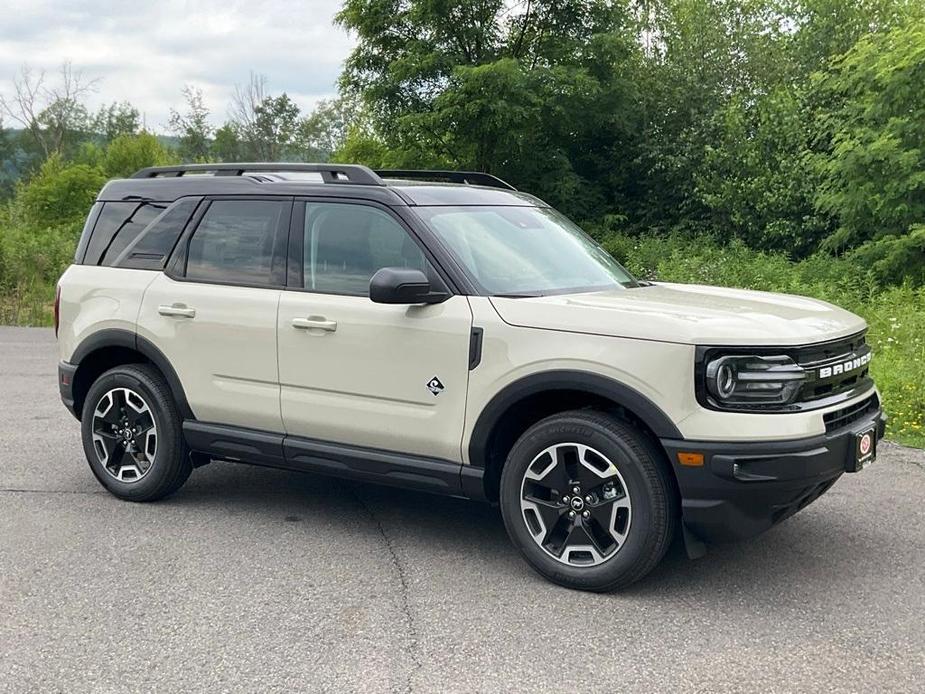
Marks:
<point>540,97</point>
<point>325,129</point>
<point>192,126</point>
<point>59,193</point>
<point>274,128</point>
<point>31,260</point>
<point>116,120</point>
<point>754,177</point>
<point>227,145</point>
<point>127,154</point>
<point>792,125</point>
<point>873,158</point>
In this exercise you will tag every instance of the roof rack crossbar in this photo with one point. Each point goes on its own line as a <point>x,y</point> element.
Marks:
<point>475,178</point>
<point>330,173</point>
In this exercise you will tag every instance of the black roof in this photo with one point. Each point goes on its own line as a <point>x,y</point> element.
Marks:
<point>389,187</point>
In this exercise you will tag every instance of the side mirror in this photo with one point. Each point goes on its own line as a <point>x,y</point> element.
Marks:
<point>399,285</point>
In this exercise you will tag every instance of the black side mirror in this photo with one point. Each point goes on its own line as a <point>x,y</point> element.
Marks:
<point>399,285</point>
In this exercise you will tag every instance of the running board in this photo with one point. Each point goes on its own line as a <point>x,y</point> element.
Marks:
<point>254,447</point>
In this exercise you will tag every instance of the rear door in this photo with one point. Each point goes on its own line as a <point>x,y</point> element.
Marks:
<point>388,377</point>
<point>213,314</point>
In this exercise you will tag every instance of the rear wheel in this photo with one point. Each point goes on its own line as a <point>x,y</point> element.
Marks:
<point>587,501</point>
<point>132,434</point>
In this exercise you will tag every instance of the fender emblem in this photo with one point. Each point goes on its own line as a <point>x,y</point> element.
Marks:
<point>435,386</point>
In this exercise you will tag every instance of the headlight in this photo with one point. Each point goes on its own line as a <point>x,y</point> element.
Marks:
<point>753,381</point>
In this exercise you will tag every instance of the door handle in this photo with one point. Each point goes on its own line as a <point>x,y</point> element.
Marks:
<point>315,323</point>
<point>179,310</point>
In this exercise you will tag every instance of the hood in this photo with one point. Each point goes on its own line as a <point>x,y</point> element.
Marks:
<point>686,313</point>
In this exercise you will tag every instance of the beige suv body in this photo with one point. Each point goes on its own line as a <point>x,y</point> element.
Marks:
<point>414,333</point>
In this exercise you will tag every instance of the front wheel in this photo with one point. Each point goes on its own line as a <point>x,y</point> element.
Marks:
<point>587,501</point>
<point>132,434</point>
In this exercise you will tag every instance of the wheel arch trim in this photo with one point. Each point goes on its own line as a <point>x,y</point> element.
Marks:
<point>116,337</point>
<point>593,384</point>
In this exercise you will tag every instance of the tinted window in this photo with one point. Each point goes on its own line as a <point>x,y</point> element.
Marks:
<point>87,232</point>
<point>235,242</point>
<point>346,244</point>
<point>151,249</point>
<point>111,219</point>
<point>131,228</point>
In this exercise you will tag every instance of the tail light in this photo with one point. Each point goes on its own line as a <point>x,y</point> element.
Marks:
<point>57,308</point>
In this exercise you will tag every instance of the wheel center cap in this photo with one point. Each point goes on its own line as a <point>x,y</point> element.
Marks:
<point>577,503</point>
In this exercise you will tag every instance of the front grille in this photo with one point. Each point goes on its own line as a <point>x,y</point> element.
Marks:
<point>833,368</point>
<point>848,415</point>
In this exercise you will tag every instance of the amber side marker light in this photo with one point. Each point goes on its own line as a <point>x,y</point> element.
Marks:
<point>691,459</point>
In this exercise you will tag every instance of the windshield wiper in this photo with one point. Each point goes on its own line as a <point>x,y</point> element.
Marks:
<point>517,296</point>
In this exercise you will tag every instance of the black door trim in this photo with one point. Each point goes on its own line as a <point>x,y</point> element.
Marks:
<point>254,447</point>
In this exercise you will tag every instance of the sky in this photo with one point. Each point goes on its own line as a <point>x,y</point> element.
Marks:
<point>145,51</point>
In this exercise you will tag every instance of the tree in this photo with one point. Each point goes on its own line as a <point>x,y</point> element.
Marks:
<point>324,130</point>
<point>128,153</point>
<point>60,193</point>
<point>116,119</point>
<point>227,145</point>
<point>262,126</point>
<point>274,127</point>
<point>871,150</point>
<point>537,95</point>
<point>244,102</point>
<point>53,115</point>
<point>192,127</point>
<point>755,178</point>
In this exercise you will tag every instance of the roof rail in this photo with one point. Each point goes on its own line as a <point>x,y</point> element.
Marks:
<point>474,178</point>
<point>330,173</point>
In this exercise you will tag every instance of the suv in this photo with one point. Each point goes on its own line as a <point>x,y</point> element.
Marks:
<point>444,332</point>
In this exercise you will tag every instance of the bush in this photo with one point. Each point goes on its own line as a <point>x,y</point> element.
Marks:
<point>129,153</point>
<point>31,260</point>
<point>59,193</point>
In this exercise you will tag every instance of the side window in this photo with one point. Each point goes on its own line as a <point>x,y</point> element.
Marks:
<point>87,232</point>
<point>235,242</point>
<point>150,250</point>
<point>111,219</point>
<point>345,245</point>
<point>130,229</point>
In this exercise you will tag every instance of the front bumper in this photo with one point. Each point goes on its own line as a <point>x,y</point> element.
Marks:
<point>742,489</point>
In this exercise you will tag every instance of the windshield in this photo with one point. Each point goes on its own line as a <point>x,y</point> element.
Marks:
<point>524,251</point>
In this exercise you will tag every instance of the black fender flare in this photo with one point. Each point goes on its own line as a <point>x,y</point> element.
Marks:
<point>117,337</point>
<point>618,393</point>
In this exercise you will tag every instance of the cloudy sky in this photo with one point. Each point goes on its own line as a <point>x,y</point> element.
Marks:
<point>144,51</point>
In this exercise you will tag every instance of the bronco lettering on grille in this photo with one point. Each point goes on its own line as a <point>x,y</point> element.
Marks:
<point>845,366</point>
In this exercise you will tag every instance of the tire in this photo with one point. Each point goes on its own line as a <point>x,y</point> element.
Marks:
<point>158,453</point>
<point>614,539</point>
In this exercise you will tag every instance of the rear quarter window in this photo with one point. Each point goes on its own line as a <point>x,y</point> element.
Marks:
<point>137,235</point>
<point>150,250</point>
<point>133,226</point>
<point>111,218</point>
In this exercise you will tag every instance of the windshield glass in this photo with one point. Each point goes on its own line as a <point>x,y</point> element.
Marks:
<point>524,251</point>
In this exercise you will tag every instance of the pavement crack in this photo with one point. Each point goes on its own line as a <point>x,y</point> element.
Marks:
<point>405,600</point>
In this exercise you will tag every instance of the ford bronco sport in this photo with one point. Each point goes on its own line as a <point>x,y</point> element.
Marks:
<point>444,332</point>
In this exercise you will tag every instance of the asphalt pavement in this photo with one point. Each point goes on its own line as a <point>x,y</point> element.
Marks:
<point>251,579</point>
